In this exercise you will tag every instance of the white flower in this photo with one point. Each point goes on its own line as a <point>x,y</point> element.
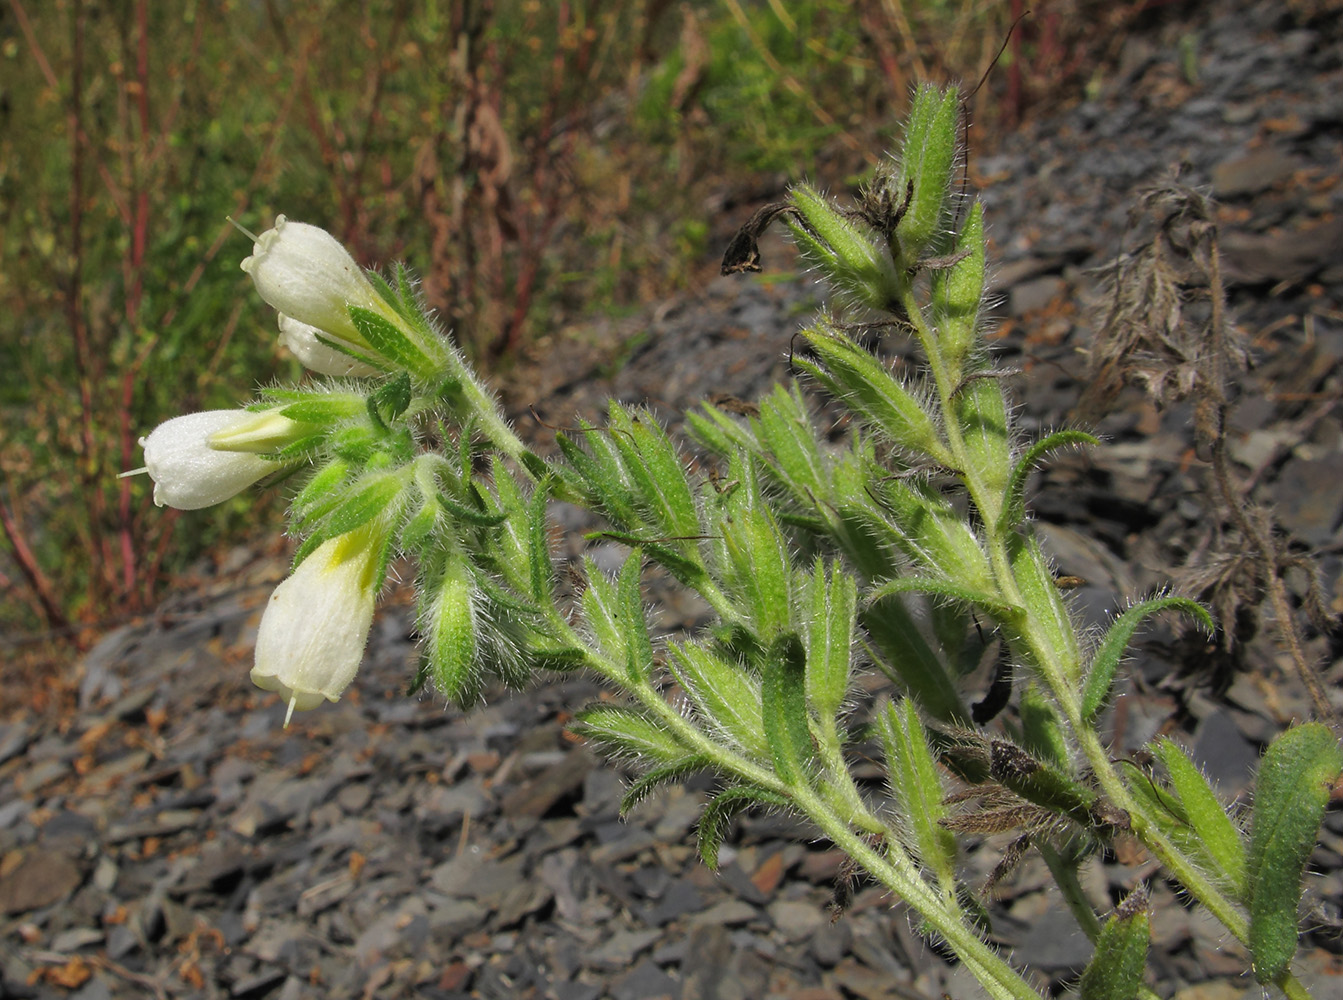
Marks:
<point>314,629</point>
<point>190,471</point>
<point>302,341</point>
<point>305,273</point>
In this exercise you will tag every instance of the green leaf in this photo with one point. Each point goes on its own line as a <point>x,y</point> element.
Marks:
<point>957,292</point>
<point>918,787</point>
<point>1294,785</point>
<point>601,609</point>
<point>326,408</point>
<point>905,655</point>
<point>627,732</point>
<point>932,533</point>
<point>419,527</point>
<point>633,623</point>
<point>541,572</point>
<point>1042,731</point>
<point>1207,817</point>
<point>391,399</point>
<point>1116,969</point>
<point>372,497</point>
<point>688,570</point>
<point>867,387</point>
<point>647,783</point>
<point>391,342</point>
<point>856,263</point>
<point>1041,598</point>
<point>829,630</point>
<point>657,472</point>
<point>470,515</point>
<point>1014,511</point>
<point>719,432</point>
<point>1100,678</point>
<point>726,694</point>
<point>927,160</point>
<point>784,703</point>
<point>991,604</point>
<point>713,823</point>
<point>786,429</point>
<point>761,570</point>
<point>451,635</point>
<point>603,475</point>
<point>322,492</point>
<point>981,412</point>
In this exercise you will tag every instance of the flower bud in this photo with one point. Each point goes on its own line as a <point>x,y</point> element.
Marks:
<point>302,341</point>
<point>314,629</point>
<point>306,274</point>
<point>190,472</point>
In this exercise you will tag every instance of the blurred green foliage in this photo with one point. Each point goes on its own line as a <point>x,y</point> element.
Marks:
<point>533,160</point>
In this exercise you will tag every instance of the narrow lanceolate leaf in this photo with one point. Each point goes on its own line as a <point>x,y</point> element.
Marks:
<point>1042,731</point>
<point>868,388</point>
<point>390,342</point>
<point>725,693</point>
<point>939,587</point>
<point>926,163</point>
<point>649,782</point>
<point>713,823</point>
<point>957,292</point>
<point>601,609</point>
<point>981,411</point>
<point>656,471</point>
<point>633,623</point>
<point>627,732</point>
<point>903,653</point>
<point>846,253</point>
<point>719,432</point>
<point>1292,791</point>
<point>540,571</point>
<point>1100,679</point>
<point>1206,816</point>
<point>786,429</point>
<point>370,498</point>
<point>451,633</point>
<point>832,601</point>
<point>1041,597</point>
<point>1115,971</point>
<point>784,703</point>
<point>1014,511</point>
<point>918,787</point>
<point>761,569</point>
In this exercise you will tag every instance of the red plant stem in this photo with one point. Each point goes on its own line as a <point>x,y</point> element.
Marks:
<point>37,581</point>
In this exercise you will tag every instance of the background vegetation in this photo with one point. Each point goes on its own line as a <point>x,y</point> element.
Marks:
<point>533,160</point>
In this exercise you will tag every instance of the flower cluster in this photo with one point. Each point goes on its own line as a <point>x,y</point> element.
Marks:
<point>337,321</point>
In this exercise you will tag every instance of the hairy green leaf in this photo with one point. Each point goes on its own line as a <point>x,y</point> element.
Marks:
<point>628,732</point>
<point>918,787</point>
<point>1100,678</point>
<point>1206,816</point>
<point>1014,511</point>
<point>1116,969</point>
<point>1295,780</point>
<point>727,695</point>
<point>717,815</point>
<point>784,704</point>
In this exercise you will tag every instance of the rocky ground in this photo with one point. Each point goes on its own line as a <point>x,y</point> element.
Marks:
<point>171,840</point>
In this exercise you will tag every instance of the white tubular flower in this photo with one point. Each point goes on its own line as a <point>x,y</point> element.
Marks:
<point>301,339</point>
<point>305,273</point>
<point>314,629</point>
<point>190,471</point>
